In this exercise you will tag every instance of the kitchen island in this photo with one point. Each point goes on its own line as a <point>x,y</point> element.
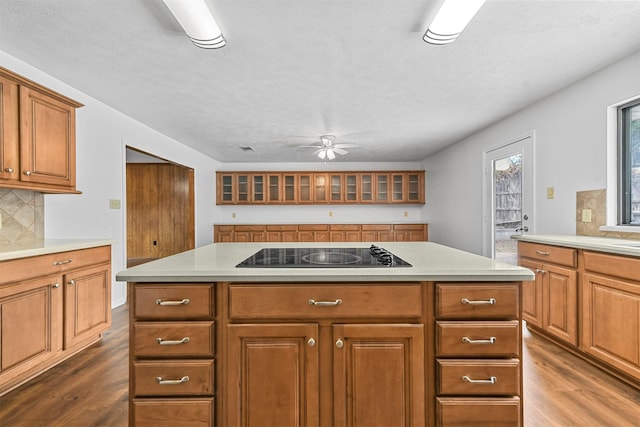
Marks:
<point>436,343</point>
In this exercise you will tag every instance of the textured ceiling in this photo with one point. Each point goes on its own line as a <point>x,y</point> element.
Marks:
<point>294,70</point>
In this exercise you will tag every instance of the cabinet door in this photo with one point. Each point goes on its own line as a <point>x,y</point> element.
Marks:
<point>272,374</point>
<point>532,294</point>
<point>382,188</point>
<point>30,323</point>
<point>560,305</point>
<point>87,306</point>
<point>242,182</point>
<point>48,140</point>
<point>226,184</point>
<point>414,187</point>
<point>611,321</point>
<point>366,188</point>
<point>351,188</point>
<point>257,189</point>
<point>378,375</point>
<point>290,193</point>
<point>273,193</point>
<point>398,190</point>
<point>9,130</point>
<point>320,187</point>
<point>304,188</point>
<point>335,186</point>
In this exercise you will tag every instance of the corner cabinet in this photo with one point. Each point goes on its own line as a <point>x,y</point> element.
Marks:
<point>37,136</point>
<point>399,187</point>
<point>51,307</point>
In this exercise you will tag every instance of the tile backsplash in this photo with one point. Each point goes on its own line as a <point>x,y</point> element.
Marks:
<point>591,214</point>
<point>22,215</point>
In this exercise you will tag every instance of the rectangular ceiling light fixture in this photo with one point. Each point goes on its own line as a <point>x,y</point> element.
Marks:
<point>451,19</point>
<point>197,21</point>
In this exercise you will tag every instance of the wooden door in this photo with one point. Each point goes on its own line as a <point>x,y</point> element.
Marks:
<point>9,130</point>
<point>30,323</point>
<point>48,139</point>
<point>87,303</point>
<point>272,375</point>
<point>560,303</point>
<point>160,210</point>
<point>378,375</point>
<point>532,294</point>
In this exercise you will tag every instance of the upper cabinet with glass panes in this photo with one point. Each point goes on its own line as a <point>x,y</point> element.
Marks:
<point>346,187</point>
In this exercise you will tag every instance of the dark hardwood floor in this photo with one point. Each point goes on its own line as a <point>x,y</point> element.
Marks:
<point>90,389</point>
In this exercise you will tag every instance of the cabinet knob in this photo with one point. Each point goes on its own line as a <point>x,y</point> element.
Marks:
<point>339,343</point>
<point>27,173</point>
<point>311,342</point>
<point>72,282</point>
<point>56,285</point>
<point>10,170</point>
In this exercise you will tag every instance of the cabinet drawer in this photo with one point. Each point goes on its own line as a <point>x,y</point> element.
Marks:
<point>477,301</point>
<point>155,339</point>
<point>478,412</point>
<point>480,377</point>
<point>249,228</point>
<point>173,412</point>
<point>173,378</point>
<point>376,227</point>
<point>282,227</point>
<point>553,254</point>
<point>474,339</point>
<point>613,265</point>
<point>297,302</point>
<point>313,227</point>
<point>173,301</point>
<point>344,227</point>
<point>225,227</point>
<point>408,227</point>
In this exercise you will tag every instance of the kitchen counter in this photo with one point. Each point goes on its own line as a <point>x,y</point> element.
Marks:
<point>48,246</point>
<point>216,262</point>
<point>602,244</point>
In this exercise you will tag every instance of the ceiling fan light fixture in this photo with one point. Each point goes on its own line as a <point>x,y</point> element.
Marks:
<point>322,153</point>
<point>197,21</point>
<point>330,154</point>
<point>451,20</point>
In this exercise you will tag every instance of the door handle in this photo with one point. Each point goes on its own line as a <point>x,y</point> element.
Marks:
<point>525,229</point>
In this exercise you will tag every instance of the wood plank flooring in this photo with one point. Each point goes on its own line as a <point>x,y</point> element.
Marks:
<point>90,389</point>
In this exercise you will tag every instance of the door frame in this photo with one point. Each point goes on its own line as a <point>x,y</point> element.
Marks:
<point>518,143</point>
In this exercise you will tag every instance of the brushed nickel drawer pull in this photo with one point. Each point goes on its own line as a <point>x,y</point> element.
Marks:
<point>491,380</point>
<point>543,253</point>
<point>62,262</point>
<point>468,340</point>
<point>173,342</point>
<point>490,301</point>
<point>325,303</point>
<point>184,301</point>
<point>182,380</point>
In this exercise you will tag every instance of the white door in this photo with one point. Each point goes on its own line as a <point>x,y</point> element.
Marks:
<point>508,200</point>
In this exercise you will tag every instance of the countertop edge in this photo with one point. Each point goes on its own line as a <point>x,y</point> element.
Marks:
<point>628,247</point>
<point>48,246</point>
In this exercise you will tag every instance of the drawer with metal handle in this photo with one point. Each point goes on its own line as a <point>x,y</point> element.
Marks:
<point>477,301</point>
<point>173,378</point>
<point>480,377</point>
<point>173,339</point>
<point>173,301</point>
<point>478,339</point>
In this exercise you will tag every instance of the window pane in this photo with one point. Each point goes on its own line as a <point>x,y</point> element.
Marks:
<point>634,158</point>
<point>629,166</point>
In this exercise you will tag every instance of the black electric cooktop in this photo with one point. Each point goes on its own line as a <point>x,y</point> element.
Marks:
<point>372,256</point>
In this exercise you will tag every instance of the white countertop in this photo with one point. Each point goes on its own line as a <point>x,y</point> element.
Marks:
<point>17,250</point>
<point>216,262</point>
<point>602,244</point>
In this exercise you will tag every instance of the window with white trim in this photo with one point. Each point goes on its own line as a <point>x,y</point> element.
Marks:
<point>629,163</point>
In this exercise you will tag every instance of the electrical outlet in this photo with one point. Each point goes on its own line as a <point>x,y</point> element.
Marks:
<point>114,204</point>
<point>330,213</point>
<point>406,213</point>
<point>233,214</point>
<point>586,215</point>
<point>550,193</point>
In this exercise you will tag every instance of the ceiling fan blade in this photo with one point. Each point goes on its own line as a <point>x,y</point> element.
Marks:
<point>345,145</point>
<point>340,151</point>
<point>309,146</point>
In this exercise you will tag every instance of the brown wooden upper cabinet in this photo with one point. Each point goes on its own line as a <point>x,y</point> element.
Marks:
<point>401,187</point>
<point>37,136</point>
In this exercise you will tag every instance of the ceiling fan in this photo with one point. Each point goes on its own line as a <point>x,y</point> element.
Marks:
<point>328,148</point>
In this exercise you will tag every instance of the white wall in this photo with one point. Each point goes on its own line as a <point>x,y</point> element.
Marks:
<point>102,133</point>
<point>570,155</point>
<point>318,213</point>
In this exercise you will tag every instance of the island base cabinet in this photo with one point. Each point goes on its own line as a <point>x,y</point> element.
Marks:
<point>612,305</point>
<point>173,412</point>
<point>478,412</point>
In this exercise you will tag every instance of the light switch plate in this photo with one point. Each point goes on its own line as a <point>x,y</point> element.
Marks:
<point>550,193</point>
<point>114,204</point>
<point>586,215</point>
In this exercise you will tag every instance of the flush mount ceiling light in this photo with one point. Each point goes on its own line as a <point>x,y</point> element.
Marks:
<point>451,19</point>
<point>197,21</point>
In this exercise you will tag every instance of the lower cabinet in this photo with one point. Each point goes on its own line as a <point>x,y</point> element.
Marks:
<point>51,306</point>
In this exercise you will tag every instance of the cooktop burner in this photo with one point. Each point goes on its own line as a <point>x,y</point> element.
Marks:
<point>372,256</point>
